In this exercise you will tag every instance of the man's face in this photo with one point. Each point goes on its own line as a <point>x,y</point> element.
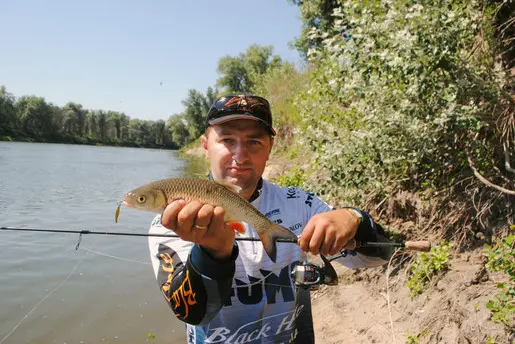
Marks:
<point>238,151</point>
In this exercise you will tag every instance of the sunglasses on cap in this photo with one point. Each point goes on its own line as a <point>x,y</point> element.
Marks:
<point>241,106</point>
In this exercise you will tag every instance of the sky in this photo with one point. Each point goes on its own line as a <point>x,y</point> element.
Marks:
<point>136,57</point>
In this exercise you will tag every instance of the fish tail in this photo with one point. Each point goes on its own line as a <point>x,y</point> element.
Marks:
<point>269,239</point>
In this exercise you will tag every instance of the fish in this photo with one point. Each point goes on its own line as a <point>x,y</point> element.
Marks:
<point>154,197</point>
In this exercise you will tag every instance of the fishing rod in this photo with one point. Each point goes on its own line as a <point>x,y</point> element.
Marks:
<point>304,274</point>
<point>351,245</point>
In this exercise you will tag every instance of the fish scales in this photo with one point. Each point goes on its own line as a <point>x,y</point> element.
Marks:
<point>205,191</point>
<point>157,195</point>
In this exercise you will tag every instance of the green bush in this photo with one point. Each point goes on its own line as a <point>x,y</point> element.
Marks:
<point>295,177</point>
<point>399,96</point>
<point>415,338</point>
<point>428,266</point>
<point>501,257</point>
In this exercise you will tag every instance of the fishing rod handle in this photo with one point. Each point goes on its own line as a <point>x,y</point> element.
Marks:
<point>422,245</point>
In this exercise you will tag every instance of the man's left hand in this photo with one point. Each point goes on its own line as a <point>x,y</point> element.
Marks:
<point>328,233</point>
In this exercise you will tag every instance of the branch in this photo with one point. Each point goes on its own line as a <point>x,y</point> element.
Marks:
<point>486,182</point>
<point>507,159</point>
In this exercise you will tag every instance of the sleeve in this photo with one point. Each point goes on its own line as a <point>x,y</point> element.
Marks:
<point>368,257</point>
<point>365,257</point>
<point>194,284</point>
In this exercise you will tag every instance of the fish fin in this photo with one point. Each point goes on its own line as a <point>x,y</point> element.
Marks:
<point>269,239</point>
<point>237,226</point>
<point>233,188</point>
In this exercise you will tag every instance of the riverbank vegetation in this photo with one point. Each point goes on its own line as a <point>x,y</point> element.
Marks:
<point>408,110</point>
<point>33,119</point>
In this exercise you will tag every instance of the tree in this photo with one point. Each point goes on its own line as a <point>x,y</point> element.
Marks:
<point>74,119</point>
<point>8,123</point>
<point>101,119</point>
<point>115,125</point>
<point>195,113</point>
<point>35,117</point>
<point>92,124</point>
<point>211,95</point>
<point>317,15</point>
<point>141,132</point>
<point>240,74</point>
<point>177,130</point>
<point>158,131</point>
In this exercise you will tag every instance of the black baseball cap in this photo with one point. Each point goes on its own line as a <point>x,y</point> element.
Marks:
<point>241,106</point>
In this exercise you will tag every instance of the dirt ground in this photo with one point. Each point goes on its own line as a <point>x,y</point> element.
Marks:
<point>451,311</point>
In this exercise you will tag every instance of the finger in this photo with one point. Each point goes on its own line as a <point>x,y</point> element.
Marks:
<point>187,215</point>
<point>329,239</point>
<point>340,243</point>
<point>219,238</point>
<point>306,235</point>
<point>316,240</point>
<point>336,247</point>
<point>169,215</point>
<point>217,220</point>
<point>204,217</point>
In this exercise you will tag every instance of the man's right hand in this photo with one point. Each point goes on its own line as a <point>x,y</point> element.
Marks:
<point>201,224</point>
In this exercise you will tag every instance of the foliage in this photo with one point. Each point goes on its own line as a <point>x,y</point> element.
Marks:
<point>279,86</point>
<point>401,96</point>
<point>240,73</point>
<point>237,74</point>
<point>7,113</point>
<point>295,177</point>
<point>490,340</point>
<point>33,119</point>
<point>415,338</point>
<point>428,266</point>
<point>197,106</point>
<point>316,15</point>
<point>501,257</point>
<point>178,131</point>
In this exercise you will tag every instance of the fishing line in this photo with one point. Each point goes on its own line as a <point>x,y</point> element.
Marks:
<point>115,257</point>
<point>13,243</point>
<point>43,299</point>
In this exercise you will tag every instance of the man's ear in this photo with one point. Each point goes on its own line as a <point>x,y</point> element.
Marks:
<point>203,141</point>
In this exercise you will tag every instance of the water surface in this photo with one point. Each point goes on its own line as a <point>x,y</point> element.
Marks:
<point>105,292</point>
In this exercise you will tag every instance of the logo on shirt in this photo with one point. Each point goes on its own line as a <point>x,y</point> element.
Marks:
<point>292,193</point>
<point>273,212</point>
<point>268,285</point>
<point>295,227</point>
<point>309,199</point>
<point>271,329</point>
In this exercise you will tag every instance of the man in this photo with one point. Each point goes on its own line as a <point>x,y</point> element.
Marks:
<point>229,291</point>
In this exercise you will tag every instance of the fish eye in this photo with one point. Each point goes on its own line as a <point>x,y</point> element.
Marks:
<point>141,199</point>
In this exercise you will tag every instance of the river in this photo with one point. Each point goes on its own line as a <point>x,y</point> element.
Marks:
<point>104,292</point>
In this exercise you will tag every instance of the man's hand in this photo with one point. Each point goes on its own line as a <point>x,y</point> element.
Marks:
<point>328,233</point>
<point>201,224</point>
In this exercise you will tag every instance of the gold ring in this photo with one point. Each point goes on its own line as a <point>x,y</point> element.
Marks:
<point>200,227</point>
